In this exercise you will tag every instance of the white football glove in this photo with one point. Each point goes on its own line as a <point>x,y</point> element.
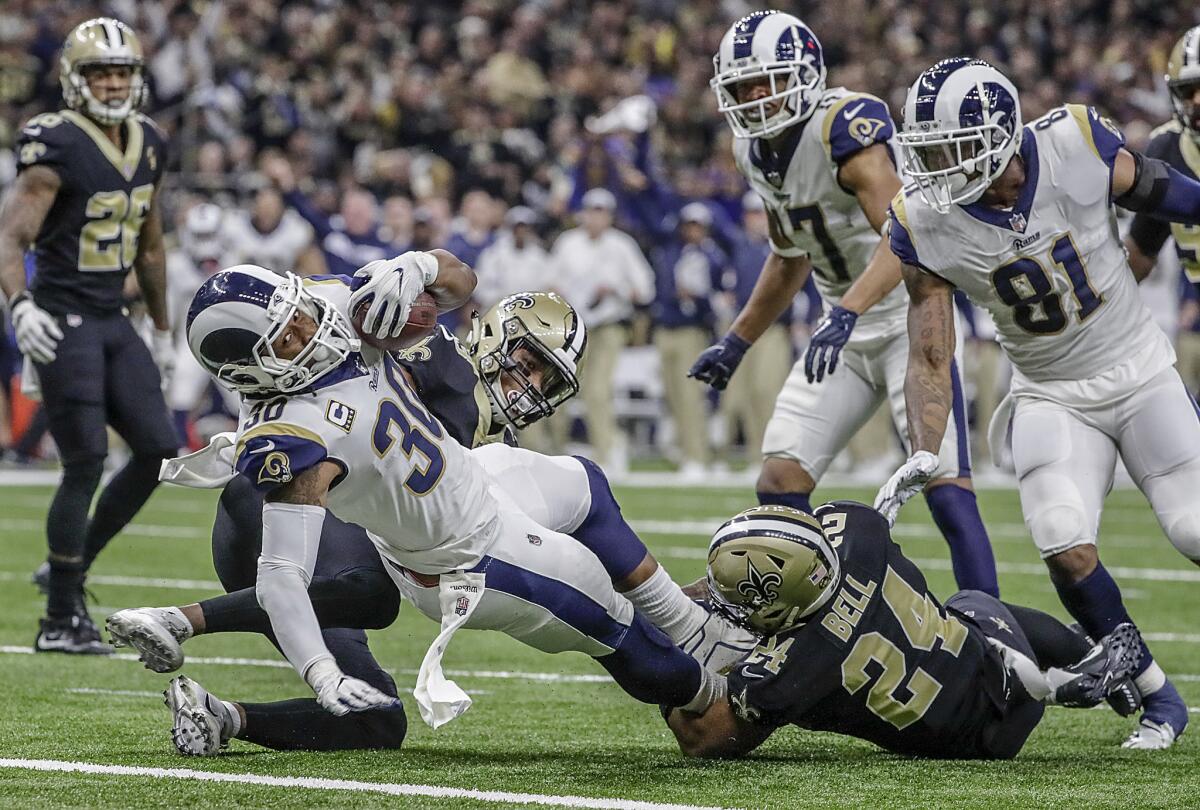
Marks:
<point>906,482</point>
<point>162,348</point>
<point>37,332</point>
<point>395,284</point>
<point>339,694</point>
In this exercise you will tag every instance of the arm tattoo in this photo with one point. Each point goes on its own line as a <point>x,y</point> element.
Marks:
<point>928,391</point>
<point>309,487</point>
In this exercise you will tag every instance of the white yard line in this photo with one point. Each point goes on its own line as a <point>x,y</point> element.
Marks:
<point>84,690</point>
<point>133,582</point>
<point>497,674</point>
<point>154,530</point>
<point>313,783</point>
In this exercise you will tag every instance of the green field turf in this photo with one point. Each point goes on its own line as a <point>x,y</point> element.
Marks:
<point>568,739</point>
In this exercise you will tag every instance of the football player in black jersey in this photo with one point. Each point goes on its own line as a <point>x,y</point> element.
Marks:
<point>1177,143</point>
<point>856,644</point>
<point>85,202</point>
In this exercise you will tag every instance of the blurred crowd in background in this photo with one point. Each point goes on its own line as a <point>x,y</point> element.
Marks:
<point>552,144</point>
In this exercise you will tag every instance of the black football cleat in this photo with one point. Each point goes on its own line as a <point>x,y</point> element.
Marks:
<point>75,635</point>
<point>1125,698</point>
<point>1104,670</point>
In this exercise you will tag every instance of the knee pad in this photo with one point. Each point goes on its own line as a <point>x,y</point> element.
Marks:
<point>1058,527</point>
<point>1183,530</point>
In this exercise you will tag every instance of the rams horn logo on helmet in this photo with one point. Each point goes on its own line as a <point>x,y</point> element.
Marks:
<point>277,467</point>
<point>761,589</point>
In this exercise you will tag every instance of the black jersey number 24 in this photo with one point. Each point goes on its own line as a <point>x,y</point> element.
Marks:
<point>923,625</point>
<point>109,241</point>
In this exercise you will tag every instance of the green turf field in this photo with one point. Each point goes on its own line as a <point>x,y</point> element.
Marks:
<point>552,736</point>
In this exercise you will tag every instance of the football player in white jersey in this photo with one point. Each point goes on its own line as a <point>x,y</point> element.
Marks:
<point>821,159</point>
<point>328,423</point>
<point>1021,219</point>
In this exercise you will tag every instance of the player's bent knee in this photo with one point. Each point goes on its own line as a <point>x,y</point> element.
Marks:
<point>1183,530</point>
<point>1073,564</point>
<point>782,475</point>
<point>1059,527</point>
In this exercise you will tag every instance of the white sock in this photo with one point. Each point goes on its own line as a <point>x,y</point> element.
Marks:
<point>232,721</point>
<point>663,602</point>
<point>1151,680</point>
<point>713,687</point>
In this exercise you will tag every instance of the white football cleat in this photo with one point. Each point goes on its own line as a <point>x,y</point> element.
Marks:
<point>199,725</point>
<point>1151,736</point>
<point>719,644</point>
<point>156,634</point>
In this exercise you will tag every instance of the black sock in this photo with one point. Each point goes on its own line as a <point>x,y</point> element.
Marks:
<point>1054,644</point>
<point>121,499</point>
<point>66,528</point>
<point>302,725</point>
<point>363,599</point>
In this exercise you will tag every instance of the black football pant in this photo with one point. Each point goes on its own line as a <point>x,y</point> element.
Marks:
<point>350,592</point>
<point>103,374</point>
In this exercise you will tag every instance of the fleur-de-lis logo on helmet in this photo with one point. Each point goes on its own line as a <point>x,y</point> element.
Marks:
<point>761,589</point>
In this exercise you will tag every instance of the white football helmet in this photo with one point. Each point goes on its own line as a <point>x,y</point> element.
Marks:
<point>962,126</point>
<point>238,313</point>
<point>778,48</point>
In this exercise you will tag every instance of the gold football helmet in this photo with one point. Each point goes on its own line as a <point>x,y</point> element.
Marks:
<point>101,41</point>
<point>1183,76</point>
<point>528,348</point>
<point>771,567</point>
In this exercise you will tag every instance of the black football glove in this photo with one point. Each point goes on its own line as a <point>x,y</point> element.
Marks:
<point>827,342</point>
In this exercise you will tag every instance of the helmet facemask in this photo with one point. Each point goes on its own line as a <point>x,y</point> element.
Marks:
<point>795,86</point>
<point>956,157</point>
<point>522,402</point>
<point>331,343</point>
<point>1186,110</point>
<point>79,95</point>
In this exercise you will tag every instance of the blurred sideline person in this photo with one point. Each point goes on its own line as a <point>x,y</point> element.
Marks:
<point>855,643</point>
<point>687,270</point>
<point>602,272</point>
<point>270,235</point>
<point>199,254</point>
<point>1020,219</point>
<point>87,199</point>
<point>350,239</point>
<point>750,396</point>
<point>515,261</point>
<point>822,161</point>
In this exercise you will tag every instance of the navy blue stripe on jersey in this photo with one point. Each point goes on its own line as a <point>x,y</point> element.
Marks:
<point>227,286</point>
<point>269,460</point>
<point>231,345</point>
<point>861,122</point>
<point>1109,141</point>
<point>743,33</point>
<point>959,406</point>
<point>1020,211</point>
<point>565,603</point>
<point>931,82</point>
<point>901,242</point>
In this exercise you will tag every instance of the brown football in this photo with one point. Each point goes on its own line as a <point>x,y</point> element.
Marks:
<point>422,320</point>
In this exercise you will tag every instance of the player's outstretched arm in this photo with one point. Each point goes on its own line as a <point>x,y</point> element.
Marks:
<point>454,282</point>
<point>151,265</point>
<point>292,518</point>
<point>781,278</point>
<point>21,217</point>
<point>1150,186</point>
<point>716,733</point>
<point>872,177</point>
<point>927,384</point>
<point>392,285</point>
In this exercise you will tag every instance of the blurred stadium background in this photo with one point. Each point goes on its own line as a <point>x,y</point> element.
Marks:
<point>329,133</point>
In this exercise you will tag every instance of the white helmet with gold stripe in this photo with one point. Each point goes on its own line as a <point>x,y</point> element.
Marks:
<point>770,568</point>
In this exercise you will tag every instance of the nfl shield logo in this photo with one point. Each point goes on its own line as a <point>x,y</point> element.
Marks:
<point>534,540</point>
<point>461,606</point>
<point>1018,222</point>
